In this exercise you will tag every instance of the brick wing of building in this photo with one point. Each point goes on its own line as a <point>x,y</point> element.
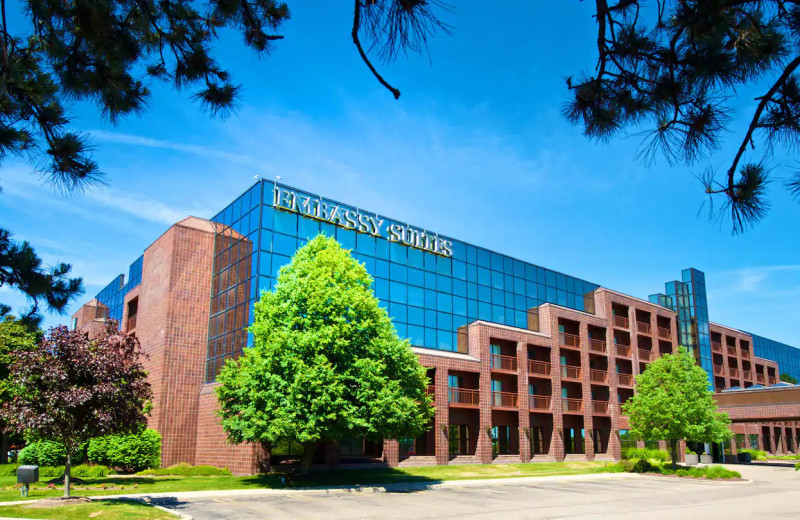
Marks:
<point>525,363</point>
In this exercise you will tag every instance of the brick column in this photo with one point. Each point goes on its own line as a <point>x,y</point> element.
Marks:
<point>654,335</point>
<point>586,388</point>
<point>557,437</point>
<point>782,429</point>
<point>391,452</point>
<point>523,400</point>
<point>739,363</point>
<point>682,451</point>
<point>634,341</point>
<point>483,450</point>
<point>760,433</point>
<point>441,418</point>
<point>614,449</point>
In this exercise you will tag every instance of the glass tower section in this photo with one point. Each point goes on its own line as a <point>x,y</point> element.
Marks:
<point>687,298</point>
<point>113,294</point>
<point>787,356</point>
<point>427,295</point>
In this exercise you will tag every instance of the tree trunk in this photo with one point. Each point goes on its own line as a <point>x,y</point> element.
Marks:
<point>308,456</point>
<point>4,448</point>
<point>67,469</point>
<point>673,448</point>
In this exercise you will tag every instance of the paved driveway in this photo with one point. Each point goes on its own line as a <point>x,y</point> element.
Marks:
<point>774,493</point>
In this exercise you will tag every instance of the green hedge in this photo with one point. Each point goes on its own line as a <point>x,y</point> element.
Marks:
<point>797,467</point>
<point>129,453</point>
<point>645,454</point>
<point>81,471</point>
<point>187,470</point>
<point>644,466</point>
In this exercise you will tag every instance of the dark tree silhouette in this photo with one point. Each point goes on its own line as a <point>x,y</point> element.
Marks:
<point>69,389</point>
<point>671,65</point>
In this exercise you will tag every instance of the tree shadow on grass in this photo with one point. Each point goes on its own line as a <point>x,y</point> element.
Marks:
<point>337,478</point>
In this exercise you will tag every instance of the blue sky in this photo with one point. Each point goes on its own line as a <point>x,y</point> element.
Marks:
<point>475,148</point>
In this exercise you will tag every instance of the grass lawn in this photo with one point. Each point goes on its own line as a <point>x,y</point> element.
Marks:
<point>432,474</point>
<point>102,509</point>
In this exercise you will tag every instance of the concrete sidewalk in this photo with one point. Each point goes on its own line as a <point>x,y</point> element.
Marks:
<point>374,488</point>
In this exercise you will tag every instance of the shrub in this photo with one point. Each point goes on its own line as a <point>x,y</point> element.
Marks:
<point>82,471</point>
<point>755,454</point>
<point>689,451</point>
<point>645,454</point>
<point>797,467</point>
<point>720,472</point>
<point>8,470</point>
<point>130,453</point>
<point>43,453</point>
<point>184,469</point>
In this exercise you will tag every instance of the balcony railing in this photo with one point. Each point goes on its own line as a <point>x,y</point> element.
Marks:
<point>570,372</point>
<point>731,350</point>
<point>718,370</point>
<point>570,340</point>
<point>571,405</point>
<point>619,408</point>
<point>643,328</point>
<point>538,367</point>
<point>716,346</point>
<point>621,322</point>
<point>504,363</point>
<point>540,402</point>
<point>597,345</point>
<point>645,355</point>
<point>504,399</point>
<point>131,323</point>
<point>624,379</point>
<point>623,350</point>
<point>431,390</point>
<point>772,380</point>
<point>598,376</point>
<point>600,407</point>
<point>664,333</point>
<point>464,396</point>
<point>733,372</point>
<point>760,379</point>
<point>747,374</point>
<point>745,353</point>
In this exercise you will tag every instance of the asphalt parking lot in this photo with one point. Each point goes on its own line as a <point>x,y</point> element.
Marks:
<point>773,492</point>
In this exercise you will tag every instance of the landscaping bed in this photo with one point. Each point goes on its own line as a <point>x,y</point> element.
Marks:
<point>80,510</point>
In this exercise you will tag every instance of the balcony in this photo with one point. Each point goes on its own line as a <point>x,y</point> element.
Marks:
<point>772,380</point>
<point>619,409</point>
<point>745,353</point>
<point>747,374</point>
<point>464,397</point>
<point>645,355</point>
<point>569,340</point>
<point>716,346</point>
<point>598,376</point>
<point>621,322</point>
<point>760,379</point>
<point>643,328</point>
<point>504,363</point>
<point>571,405</point>
<point>597,345</point>
<point>625,379</point>
<point>504,400</point>
<point>623,350</point>
<point>131,323</point>
<point>718,370</point>
<point>540,402</point>
<point>570,372</point>
<point>731,350</point>
<point>733,372</point>
<point>665,333</point>
<point>541,368</point>
<point>431,390</point>
<point>600,407</point>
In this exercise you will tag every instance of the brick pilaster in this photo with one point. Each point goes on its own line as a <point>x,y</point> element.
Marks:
<point>391,452</point>
<point>441,417</point>
<point>586,388</point>
<point>523,400</point>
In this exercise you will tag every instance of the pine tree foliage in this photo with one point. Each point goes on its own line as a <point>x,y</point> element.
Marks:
<point>673,403</point>
<point>670,66</point>
<point>327,363</point>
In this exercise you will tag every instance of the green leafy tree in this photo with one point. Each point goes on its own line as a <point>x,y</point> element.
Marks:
<point>788,379</point>
<point>670,67</point>
<point>672,402</point>
<point>326,363</point>
<point>15,336</point>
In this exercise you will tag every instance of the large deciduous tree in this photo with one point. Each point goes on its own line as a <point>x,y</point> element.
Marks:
<point>70,389</point>
<point>326,364</point>
<point>671,66</point>
<point>672,403</point>
<point>15,336</point>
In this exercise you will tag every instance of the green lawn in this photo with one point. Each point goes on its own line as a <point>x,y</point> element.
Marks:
<point>142,484</point>
<point>102,509</point>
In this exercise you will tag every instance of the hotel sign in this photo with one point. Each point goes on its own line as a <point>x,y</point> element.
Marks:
<point>368,223</point>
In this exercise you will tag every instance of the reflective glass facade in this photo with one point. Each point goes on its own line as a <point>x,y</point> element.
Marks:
<point>113,294</point>
<point>428,295</point>
<point>787,356</point>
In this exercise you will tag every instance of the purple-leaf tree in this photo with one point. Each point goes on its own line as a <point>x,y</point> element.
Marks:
<point>70,389</point>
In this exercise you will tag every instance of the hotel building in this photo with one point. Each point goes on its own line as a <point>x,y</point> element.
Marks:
<point>525,363</point>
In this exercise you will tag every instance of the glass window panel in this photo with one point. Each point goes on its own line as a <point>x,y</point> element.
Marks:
<point>444,321</point>
<point>430,318</point>
<point>382,268</point>
<point>444,266</point>
<point>278,261</point>
<point>286,223</point>
<point>459,288</point>
<point>415,296</point>
<point>430,262</point>
<point>444,284</point>
<point>498,314</point>
<point>485,311</point>
<point>508,265</point>
<point>397,292</point>
<point>497,262</point>
<point>459,270</point>
<point>398,252</point>
<point>382,289</point>
<point>398,272</point>
<point>283,244</point>
<point>445,340</point>
<point>484,259</point>
<point>497,280</point>
<point>416,315</point>
<point>346,237</point>
<point>416,335</point>
<point>459,305</point>
<point>309,228</point>
<point>444,302</point>
<point>416,277</point>
<point>430,280</point>
<point>430,299</point>
<point>399,312</point>
<point>430,337</point>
